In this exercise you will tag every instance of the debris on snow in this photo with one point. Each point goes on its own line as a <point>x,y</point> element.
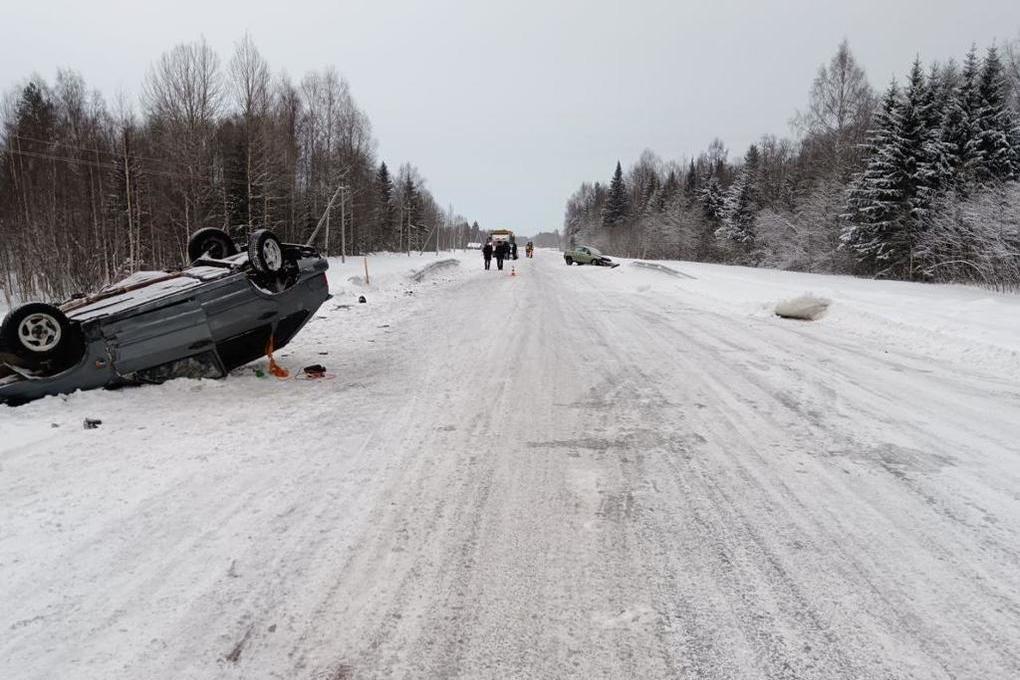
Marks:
<point>805,308</point>
<point>235,654</point>
<point>91,423</point>
<point>361,299</point>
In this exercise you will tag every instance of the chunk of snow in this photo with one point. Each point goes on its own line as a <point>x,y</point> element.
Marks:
<point>806,307</point>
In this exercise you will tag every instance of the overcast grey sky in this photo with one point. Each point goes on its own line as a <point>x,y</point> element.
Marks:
<point>507,106</point>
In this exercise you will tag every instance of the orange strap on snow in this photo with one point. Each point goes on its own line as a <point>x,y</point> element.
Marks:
<point>275,368</point>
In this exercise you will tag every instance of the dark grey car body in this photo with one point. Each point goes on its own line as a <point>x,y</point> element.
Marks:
<point>202,321</point>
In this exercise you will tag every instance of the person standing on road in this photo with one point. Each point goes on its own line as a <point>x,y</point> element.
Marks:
<point>513,250</point>
<point>500,254</point>
<point>487,253</point>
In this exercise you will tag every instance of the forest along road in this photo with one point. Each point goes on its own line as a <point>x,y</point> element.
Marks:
<point>552,475</point>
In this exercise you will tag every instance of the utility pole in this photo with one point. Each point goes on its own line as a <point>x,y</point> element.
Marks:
<point>325,215</point>
<point>428,238</point>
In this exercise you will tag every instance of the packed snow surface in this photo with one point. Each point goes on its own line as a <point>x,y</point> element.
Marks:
<point>574,472</point>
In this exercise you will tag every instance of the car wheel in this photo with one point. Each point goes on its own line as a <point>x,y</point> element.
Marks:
<point>265,252</point>
<point>569,261</point>
<point>38,333</point>
<point>210,242</point>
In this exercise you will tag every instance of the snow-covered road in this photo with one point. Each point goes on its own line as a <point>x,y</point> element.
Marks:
<point>574,472</point>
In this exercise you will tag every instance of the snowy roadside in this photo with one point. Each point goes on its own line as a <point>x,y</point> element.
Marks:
<point>970,327</point>
<point>342,323</point>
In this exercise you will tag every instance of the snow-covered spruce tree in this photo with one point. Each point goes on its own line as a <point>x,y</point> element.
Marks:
<point>740,209</point>
<point>711,200</point>
<point>890,203</point>
<point>937,152</point>
<point>617,204</point>
<point>409,199</point>
<point>919,155</point>
<point>386,232</point>
<point>874,230</point>
<point>958,127</point>
<point>995,124</point>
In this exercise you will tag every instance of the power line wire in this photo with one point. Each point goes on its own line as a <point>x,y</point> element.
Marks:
<point>224,173</point>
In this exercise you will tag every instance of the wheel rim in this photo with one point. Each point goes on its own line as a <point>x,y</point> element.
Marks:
<point>39,332</point>
<point>272,255</point>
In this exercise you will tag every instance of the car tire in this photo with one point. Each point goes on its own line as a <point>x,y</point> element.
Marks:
<point>569,261</point>
<point>210,242</point>
<point>265,252</point>
<point>37,334</point>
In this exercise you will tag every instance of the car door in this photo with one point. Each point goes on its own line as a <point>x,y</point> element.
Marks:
<point>167,333</point>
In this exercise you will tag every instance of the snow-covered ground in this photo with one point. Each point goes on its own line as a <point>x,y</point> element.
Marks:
<point>572,472</point>
<point>968,326</point>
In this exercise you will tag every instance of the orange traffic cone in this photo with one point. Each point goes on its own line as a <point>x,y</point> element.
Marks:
<point>513,270</point>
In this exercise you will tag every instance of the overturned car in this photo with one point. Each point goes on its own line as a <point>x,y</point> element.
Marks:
<point>235,302</point>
